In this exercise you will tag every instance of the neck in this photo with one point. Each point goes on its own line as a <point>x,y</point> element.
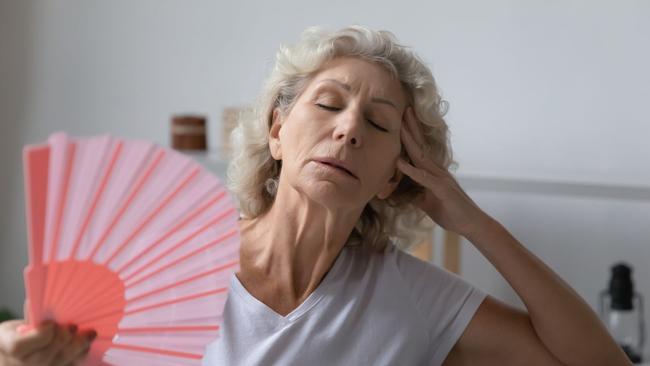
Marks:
<point>296,242</point>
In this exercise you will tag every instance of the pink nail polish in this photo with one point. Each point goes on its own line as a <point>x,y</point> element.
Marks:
<point>22,329</point>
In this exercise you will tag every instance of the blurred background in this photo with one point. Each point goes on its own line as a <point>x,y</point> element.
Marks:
<point>548,105</point>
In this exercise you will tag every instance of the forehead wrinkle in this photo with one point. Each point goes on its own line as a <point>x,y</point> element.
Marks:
<point>341,84</point>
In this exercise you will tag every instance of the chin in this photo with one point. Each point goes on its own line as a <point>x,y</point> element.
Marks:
<point>333,195</point>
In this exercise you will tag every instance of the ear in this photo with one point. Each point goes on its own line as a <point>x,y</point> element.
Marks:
<point>274,134</point>
<point>391,185</point>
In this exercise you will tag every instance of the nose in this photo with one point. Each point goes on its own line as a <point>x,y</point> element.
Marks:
<point>349,130</point>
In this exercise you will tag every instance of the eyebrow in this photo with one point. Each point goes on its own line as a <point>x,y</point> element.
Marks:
<point>349,88</point>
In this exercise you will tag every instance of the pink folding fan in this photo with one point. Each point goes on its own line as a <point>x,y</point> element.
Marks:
<point>133,240</point>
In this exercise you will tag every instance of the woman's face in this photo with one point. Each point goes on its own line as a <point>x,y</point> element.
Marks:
<point>347,118</point>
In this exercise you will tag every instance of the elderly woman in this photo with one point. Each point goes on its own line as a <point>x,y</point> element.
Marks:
<point>334,170</point>
<point>346,150</point>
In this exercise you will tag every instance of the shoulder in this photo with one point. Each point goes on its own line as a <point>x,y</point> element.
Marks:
<point>418,272</point>
<point>447,302</point>
<point>428,285</point>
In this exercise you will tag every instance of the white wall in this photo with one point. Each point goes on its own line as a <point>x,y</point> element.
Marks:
<point>16,50</point>
<point>551,90</point>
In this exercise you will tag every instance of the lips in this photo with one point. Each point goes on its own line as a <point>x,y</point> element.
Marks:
<point>337,164</point>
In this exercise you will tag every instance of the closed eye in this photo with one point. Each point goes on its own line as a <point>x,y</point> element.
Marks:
<point>327,107</point>
<point>378,126</point>
<point>334,109</point>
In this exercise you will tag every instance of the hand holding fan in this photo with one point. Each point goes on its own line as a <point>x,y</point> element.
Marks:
<point>131,239</point>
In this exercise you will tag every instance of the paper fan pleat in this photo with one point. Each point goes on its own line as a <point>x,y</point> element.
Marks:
<point>133,240</point>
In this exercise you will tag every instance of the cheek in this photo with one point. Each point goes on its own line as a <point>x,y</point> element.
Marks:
<point>383,160</point>
<point>301,126</point>
<point>297,146</point>
<point>391,149</point>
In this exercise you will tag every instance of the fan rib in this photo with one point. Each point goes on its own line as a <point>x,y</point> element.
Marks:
<point>170,232</point>
<point>93,204</point>
<point>182,282</point>
<point>100,190</point>
<point>125,205</point>
<point>141,180</point>
<point>183,258</point>
<point>71,148</point>
<point>95,299</point>
<point>157,351</point>
<point>98,194</point>
<point>176,301</point>
<point>36,160</point>
<point>179,244</point>
<point>178,328</point>
<point>153,214</point>
<point>152,306</point>
<point>53,295</point>
<point>193,215</point>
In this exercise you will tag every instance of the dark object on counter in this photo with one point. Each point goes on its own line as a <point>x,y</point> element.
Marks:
<point>5,315</point>
<point>623,319</point>
<point>189,132</point>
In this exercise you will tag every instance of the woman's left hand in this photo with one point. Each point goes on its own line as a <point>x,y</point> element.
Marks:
<point>444,201</point>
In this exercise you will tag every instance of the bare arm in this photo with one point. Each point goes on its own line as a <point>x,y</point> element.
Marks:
<point>559,328</point>
<point>558,319</point>
<point>502,335</point>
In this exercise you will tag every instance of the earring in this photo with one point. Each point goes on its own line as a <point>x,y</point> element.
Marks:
<point>271,185</point>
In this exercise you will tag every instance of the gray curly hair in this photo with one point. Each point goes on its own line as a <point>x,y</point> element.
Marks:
<point>253,173</point>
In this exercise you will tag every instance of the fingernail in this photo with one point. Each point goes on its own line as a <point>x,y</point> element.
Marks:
<point>22,329</point>
<point>92,335</point>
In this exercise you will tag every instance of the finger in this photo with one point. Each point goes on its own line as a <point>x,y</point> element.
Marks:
<point>81,357</point>
<point>19,345</point>
<point>79,360</point>
<point>415,131</point>
<point>67,342</point>
<point>89,337</point>
<point>420,176</point>
<point>416,153</point>
<point>72,350</point>
<point>420,158</point>
<point>430,181</point>
<point>46,355</point>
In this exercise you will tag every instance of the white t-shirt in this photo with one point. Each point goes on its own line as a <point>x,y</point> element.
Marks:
<point>369,309</point>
